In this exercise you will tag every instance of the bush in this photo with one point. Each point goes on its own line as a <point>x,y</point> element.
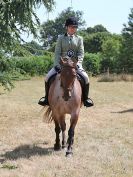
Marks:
<point>92,63</point>
<point>35,65</point>
<point>20,68</point>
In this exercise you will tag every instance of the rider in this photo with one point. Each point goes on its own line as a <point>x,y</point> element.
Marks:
<point>70,45</point>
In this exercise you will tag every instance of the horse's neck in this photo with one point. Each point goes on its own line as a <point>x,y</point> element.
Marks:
<point>57,81</point>
<point>58,76</point>
<point>56,92</point>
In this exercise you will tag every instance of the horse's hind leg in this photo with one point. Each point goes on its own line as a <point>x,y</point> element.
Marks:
<point>73,122</point>
<point>57,145</point>
<point>63,128</point>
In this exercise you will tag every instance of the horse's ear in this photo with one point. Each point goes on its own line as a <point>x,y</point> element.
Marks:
<point>61,61</point>
<point>75,62</point>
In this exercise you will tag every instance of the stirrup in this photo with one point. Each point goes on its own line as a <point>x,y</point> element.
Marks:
<point>43,101</point>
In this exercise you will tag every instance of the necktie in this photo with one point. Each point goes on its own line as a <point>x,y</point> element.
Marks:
<point>70,40</point>
<point>70,52</point>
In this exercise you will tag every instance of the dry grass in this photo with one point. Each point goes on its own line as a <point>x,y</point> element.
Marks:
<point>103,138</point>
<point>116,77</point>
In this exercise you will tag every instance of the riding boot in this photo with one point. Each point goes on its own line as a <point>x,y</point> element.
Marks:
<point>44,100</point>
<point>87,101</point>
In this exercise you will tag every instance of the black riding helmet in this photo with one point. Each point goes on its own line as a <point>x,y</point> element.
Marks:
<point>71,21</point>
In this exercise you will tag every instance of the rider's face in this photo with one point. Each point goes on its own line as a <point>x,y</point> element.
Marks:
<point>71,29</point>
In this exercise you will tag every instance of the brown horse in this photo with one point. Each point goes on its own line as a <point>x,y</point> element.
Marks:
<point>65,98</point>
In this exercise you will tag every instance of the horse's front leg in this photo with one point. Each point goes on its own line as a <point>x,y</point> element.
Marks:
<point>73,122</point>
<point>57,145</point>
<point>63,128</point>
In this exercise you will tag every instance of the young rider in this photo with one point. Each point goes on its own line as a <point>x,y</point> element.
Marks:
<point>71,45</point>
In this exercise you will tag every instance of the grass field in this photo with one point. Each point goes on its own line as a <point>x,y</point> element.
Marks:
<point>103,138</point>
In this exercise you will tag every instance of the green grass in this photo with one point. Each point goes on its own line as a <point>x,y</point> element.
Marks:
<point>9,166</point>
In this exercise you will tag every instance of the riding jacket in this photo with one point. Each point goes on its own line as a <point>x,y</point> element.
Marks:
<point>69,46</point>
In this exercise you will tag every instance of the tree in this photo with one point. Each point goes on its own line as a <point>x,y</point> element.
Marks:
<point>17,16</point>
<point>111,53</point>
<point>34,48</point>
<point>94,37</point>
<point>92,63</point>
<point>52,28</point>
<point>126,61</point>
<point>48,33</point>
<point>93,42</point>
<point>96,29</point>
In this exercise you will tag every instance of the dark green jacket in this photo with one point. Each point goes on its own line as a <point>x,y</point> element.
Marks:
<point>65,44</point>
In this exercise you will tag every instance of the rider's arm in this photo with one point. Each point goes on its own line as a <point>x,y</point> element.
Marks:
<point>80,53</point>
<point>58,52</point>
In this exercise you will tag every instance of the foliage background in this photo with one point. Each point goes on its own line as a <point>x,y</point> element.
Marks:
<point>104,51</point>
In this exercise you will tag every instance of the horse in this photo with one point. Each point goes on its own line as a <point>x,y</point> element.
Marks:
<point>65,97</point>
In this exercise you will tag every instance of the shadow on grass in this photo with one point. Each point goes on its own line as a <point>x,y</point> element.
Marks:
<point>25,151</point>
<point>125,111</point>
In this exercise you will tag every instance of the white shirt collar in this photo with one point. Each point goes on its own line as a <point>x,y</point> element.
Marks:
<point>70,35</point>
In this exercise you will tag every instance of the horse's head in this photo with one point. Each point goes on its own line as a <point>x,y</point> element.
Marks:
<point>68,75</point>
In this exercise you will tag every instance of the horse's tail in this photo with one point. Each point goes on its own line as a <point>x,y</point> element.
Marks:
<point>48,115</point>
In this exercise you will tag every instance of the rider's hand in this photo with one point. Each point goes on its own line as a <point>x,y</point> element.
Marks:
<point>79,65</point>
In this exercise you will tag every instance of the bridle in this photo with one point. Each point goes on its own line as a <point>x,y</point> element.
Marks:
<point>67,91</point>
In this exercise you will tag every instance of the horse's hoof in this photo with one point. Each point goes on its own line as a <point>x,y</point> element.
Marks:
<point>57,147</point>
<point>63,146</point>
<point>69,154</point>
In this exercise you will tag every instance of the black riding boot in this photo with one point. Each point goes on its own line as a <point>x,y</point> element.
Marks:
<point>44,100</point>
<point>87,101</point>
